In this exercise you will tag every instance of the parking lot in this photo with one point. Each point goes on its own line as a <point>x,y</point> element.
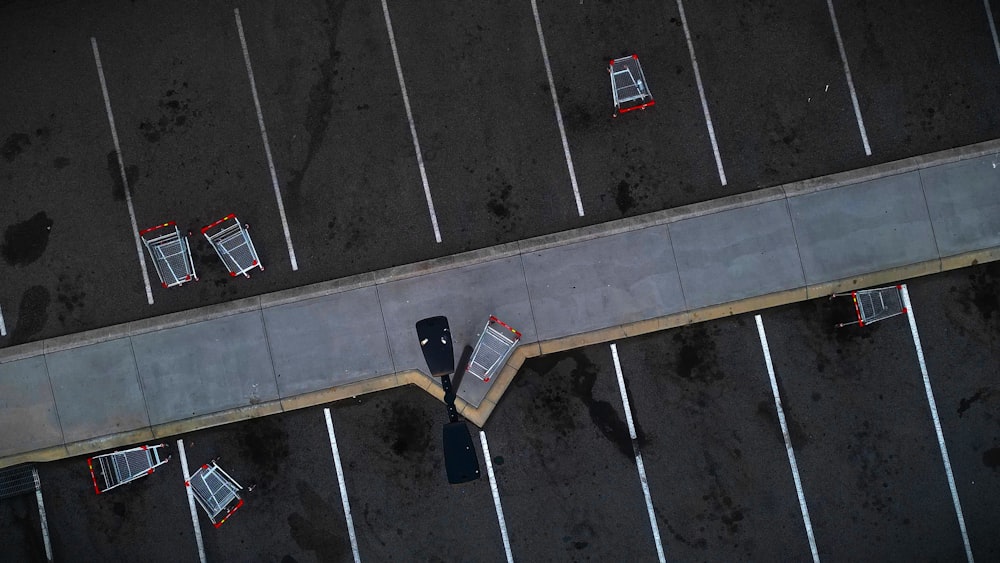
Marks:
<point>769,102</point>
<point>713,449</point>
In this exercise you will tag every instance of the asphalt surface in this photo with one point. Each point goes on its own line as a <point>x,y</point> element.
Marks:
<point>719,479</point>
<point>481,104</point>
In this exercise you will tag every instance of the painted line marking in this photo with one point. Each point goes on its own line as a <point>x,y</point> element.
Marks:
<point>638,456</point>
<point>3,327</point>
<point>496,497</point>
<point>993,28</point>
<point>701,93</point>
<point>121,170</point>
<point>190,495</point>
<point>409,117</point>
<point>850,81</point>
<point>937,421</point>
<point>555,104</point>
<point>788,440</point>
<point>267,144</point>
<point>343,486</point>
<point>41,515</point>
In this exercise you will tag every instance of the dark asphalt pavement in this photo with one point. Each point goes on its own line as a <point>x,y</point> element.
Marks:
<point>341,143</point>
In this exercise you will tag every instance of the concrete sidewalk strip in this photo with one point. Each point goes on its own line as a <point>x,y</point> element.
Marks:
<point>28,413</point>
<point>97,389</point>
<point>306,346</point>
<point>590,285</point>
<point>205,367</point>
<point>735,254</point>
<point>862,228</point>
<point>315,343</point>
<point>968,218</point>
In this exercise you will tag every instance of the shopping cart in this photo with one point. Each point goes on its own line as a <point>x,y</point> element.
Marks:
<point>872,305</point>
<point>117,468</point>
<point>216,492</point>
<point>170,252</point>
<point>495,345</point>
<point>231,241</point>
<point>628,85</point>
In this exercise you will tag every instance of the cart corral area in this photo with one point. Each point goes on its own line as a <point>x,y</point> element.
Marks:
<point>768,103</point>
<point>718,475</point>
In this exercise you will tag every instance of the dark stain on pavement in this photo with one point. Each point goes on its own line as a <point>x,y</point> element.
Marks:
<point>407,431</point>
<point>32,314</point>
<point>983,291</point>
<point>14,145</point>
<point>175,111</point>
<point>308,530</point>
<point>697,359</point>
<point>25,242</point>
<point>991,458</point>
<point>583,377</point>
<point>623,198</point>
<point>320,98</point>
<point>60,162</point>
<point>117,186</point>
<point>965,403</point>
<point>265,443</point>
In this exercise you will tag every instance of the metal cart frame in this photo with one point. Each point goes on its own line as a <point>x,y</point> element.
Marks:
<point>873,305</point>
<point>495,345</point>
<point>171,254</point>
<point>231,241</point>
<point>628,85</point>
<point>216,492</point>
<point>124,466</point>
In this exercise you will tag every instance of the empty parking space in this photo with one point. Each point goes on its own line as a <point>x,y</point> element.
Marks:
<point>59,220</point>
<point>639,162</point>
<point>781,113</point>
<point>339,134</point>
<point>714,453</point>
<point>861,428</point>
<point>402,504</point>
<point>564,462</point>
<point>484,116</point>
<point>959,321</point>
<point>925,73</point>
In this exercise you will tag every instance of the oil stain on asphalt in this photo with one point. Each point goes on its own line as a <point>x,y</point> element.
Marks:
<point>25,242</point>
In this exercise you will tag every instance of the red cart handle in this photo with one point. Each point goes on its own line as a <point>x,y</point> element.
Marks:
<point>215,224</point>
<point>151,229</point>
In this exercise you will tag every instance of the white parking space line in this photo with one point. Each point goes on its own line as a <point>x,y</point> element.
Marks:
<point>993,28</point>
<point>191,505</point>
<point>555,103</point>
<point>638,456</point>
<point>121,170</point>
<point>41,515</point>
<point>267,144</point>
<point>496,497</point>
<point>850,81</point>
<point>409,117</point>
<point>788,440</point>
<point>937,421</point>
<point>343,486</point>
<point>701,92</point>
<point>3,327</point>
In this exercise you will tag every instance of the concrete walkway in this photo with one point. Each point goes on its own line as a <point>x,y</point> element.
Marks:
<point>149,379</point>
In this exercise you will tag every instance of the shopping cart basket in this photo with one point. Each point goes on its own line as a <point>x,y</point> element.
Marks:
<point>231,241</point>
<point>872,305</point>
<point>117,468</point>
<point>216,492</point>
<point>628,85</point>
<point>495,345</point>
<point>170,252</point>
